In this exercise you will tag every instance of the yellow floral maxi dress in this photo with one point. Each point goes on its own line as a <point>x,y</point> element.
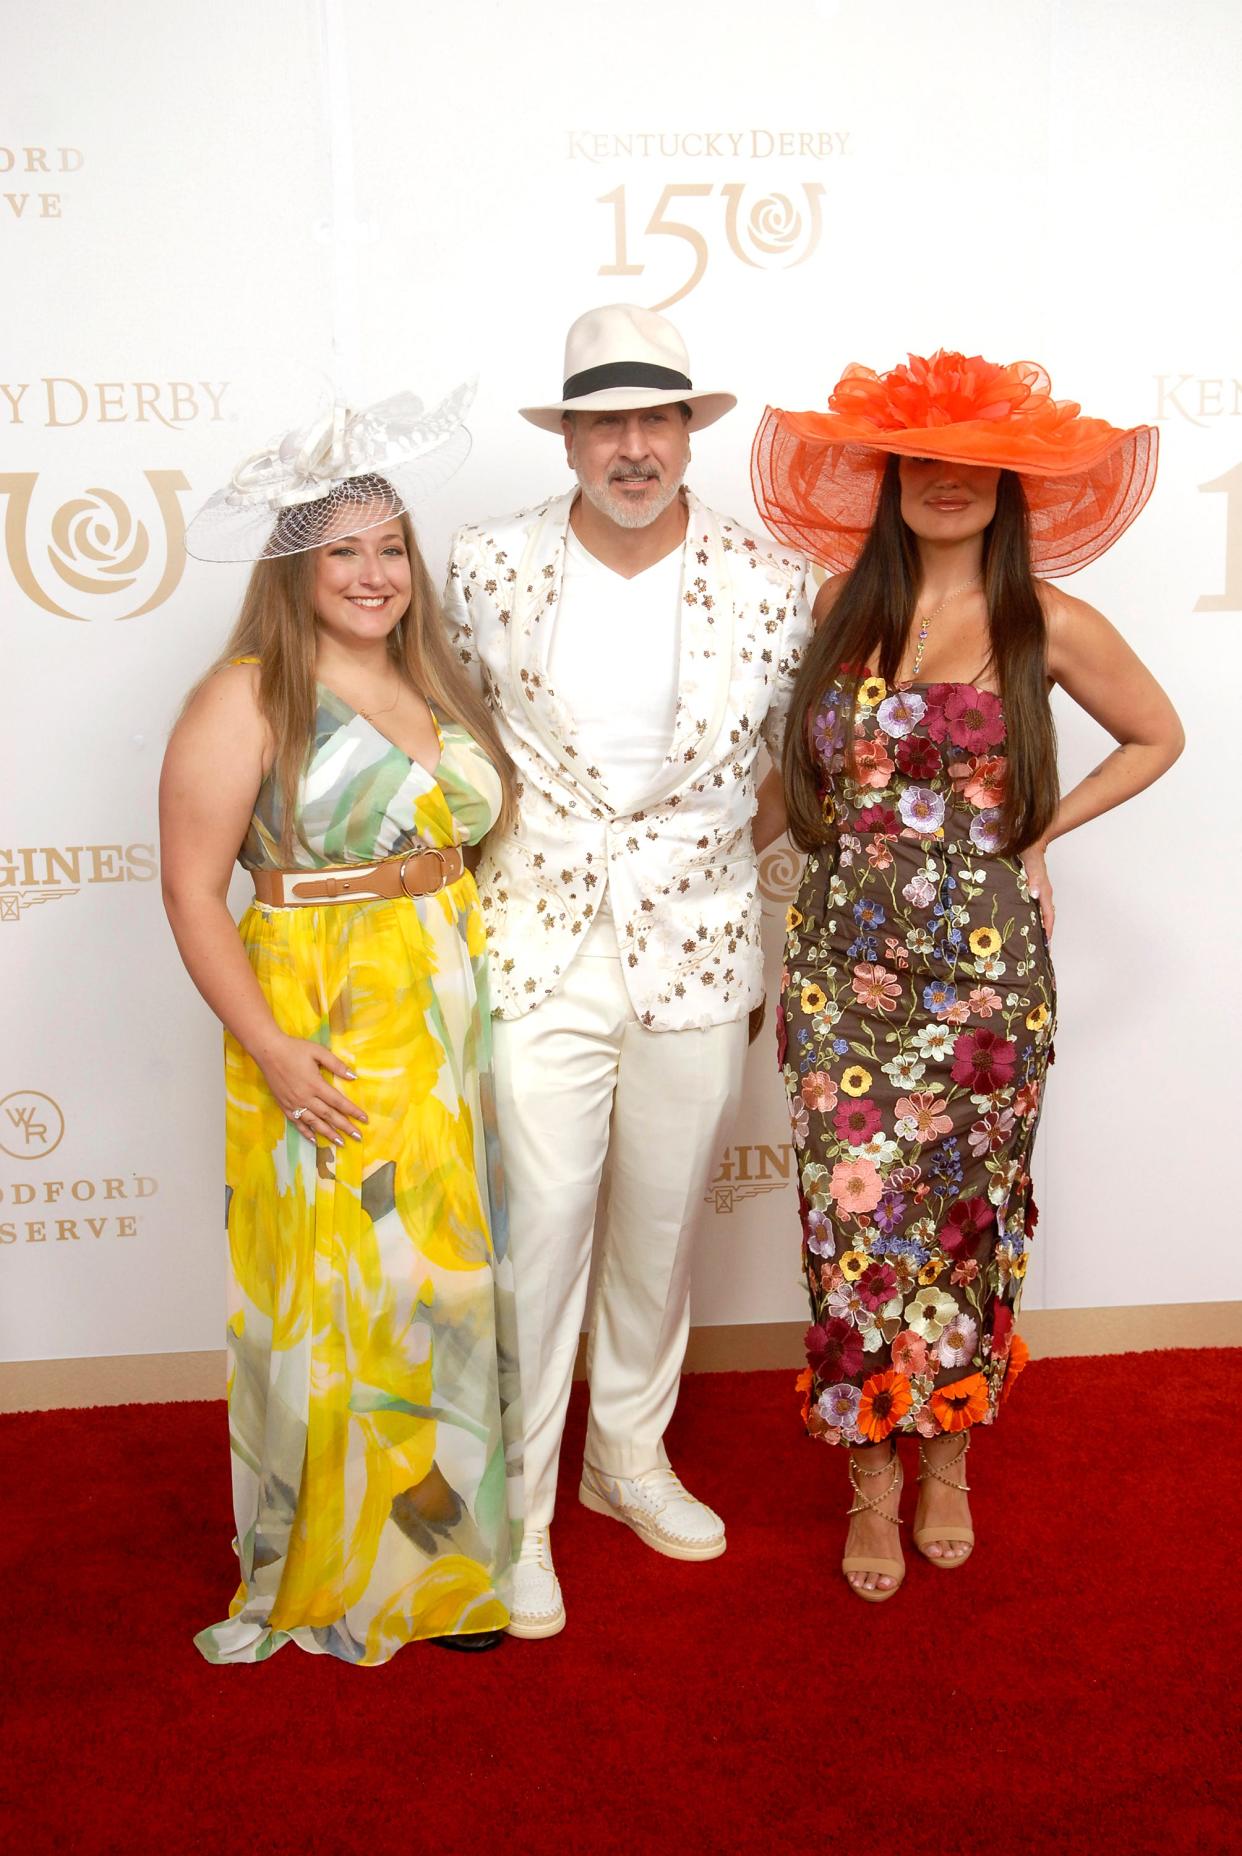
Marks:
<point>373,1409</point>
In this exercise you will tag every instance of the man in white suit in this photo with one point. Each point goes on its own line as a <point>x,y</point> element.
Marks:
<point>636,649</point>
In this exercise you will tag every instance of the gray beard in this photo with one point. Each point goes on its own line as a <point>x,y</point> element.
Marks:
<point>603,498</point>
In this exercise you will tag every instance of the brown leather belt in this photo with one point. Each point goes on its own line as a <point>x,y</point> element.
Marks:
<point>414,873</point>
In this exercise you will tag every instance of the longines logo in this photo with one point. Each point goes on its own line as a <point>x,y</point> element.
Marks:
<point>95,546</point>
<point>45,873</point>
<point>61,400</point>
<point>745,1172</point>
<point>26,176</point>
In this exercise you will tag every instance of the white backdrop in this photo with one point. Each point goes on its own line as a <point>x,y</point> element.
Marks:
<point>211,215</point>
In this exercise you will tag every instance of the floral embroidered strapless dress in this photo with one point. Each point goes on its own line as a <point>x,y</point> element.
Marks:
<point>918,1007</point>
<point>373,1411</point>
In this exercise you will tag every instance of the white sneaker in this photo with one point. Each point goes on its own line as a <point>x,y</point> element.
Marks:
<point>538,1610</point>
<point>658,1509</point>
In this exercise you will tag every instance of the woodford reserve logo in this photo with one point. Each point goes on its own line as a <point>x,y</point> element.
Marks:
<point>31,184</point>
<point>64,1210</point>
<point>37,873</point>
<point>765,227</point>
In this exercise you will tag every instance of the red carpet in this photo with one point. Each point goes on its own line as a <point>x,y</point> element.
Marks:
<point>1072,1690</point>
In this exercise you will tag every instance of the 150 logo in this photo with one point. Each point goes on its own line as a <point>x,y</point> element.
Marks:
<point>764,229</point>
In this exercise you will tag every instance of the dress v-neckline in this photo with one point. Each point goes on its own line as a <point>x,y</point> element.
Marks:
<point>413,759</point>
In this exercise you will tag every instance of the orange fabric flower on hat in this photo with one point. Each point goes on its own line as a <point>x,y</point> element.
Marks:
<point>886,1398</point>
<point>957,1407</point>
<point>943,389</point>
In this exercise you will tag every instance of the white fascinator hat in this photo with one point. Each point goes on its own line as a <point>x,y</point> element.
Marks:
<point>347,472</point>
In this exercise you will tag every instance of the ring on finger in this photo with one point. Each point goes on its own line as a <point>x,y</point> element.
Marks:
<point>298,1113</point>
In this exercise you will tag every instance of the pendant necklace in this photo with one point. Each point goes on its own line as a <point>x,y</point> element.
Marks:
<point>925,625</point>
<point>369,715</point>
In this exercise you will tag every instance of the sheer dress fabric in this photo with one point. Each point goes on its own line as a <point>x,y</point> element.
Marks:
<point>373,1409</point>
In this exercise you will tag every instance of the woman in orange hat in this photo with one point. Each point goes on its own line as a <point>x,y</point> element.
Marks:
<point>920,777</point>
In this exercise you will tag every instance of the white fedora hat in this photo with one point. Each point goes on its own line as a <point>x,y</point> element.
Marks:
<point>621,357</point>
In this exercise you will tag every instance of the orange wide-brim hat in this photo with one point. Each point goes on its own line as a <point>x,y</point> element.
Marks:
<point>817,475</point>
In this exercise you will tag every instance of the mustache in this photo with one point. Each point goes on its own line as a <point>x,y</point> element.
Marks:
<point>634,473</point>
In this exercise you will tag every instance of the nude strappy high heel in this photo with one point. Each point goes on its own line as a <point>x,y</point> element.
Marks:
<point>923,1536</point>
<point>863,1504</point>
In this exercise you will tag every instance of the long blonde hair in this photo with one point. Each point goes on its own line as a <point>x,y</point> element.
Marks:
<point>276,625</point>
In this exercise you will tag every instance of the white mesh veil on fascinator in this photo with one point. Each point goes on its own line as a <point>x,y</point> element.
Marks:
<point>347,472</point>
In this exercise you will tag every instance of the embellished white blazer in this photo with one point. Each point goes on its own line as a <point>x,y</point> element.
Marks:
<point>680,866</point>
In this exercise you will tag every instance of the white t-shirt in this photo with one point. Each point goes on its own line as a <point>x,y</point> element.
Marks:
<point>613,662</point>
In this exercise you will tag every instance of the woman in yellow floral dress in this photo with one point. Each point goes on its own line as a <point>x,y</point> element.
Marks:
<point>920,775</point>
<point>337,754</point>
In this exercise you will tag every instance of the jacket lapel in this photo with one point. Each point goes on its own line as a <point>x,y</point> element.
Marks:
<point>705,663</point>
<point>540,575</point>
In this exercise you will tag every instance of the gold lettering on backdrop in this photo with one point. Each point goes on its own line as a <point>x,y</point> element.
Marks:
<point>33,206</point>
<point>96,546</point>
<point>745,1172</point>
<point>31,1127</point>
<point>64,401</point>
<point>1230,600</point>
<point>599,146</point>
<point>40,160</point>
<point>31,874</point>
<point>1198,398</point>
<point>772,232</point>
<point>36,202</point>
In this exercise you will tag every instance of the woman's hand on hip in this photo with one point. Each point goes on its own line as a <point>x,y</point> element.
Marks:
<point>1040,884</point>
<point>294,1068</point>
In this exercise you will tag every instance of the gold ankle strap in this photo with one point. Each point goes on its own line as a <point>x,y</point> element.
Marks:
<point>941,1471</point>
<point>871,1504</point>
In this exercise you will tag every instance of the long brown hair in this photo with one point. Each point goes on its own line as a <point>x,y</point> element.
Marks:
<point>277,625</point>
<point>873,613</point>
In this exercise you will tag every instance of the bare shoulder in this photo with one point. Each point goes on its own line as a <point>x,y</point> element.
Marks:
<point>827,597</point>
<point>232,690</point>
<point>1076,629</point>
<point>225,709</point>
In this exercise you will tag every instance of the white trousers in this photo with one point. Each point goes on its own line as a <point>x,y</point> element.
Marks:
<point>578,1080</point>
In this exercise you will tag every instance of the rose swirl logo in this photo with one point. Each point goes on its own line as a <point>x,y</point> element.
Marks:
<point>96,546</point>
<point>99,530</point>
<point>779,872</point>
<point>773,226</point>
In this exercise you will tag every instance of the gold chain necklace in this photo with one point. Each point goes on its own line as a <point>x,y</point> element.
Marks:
<point>369,715</point>
<point>925,624</point>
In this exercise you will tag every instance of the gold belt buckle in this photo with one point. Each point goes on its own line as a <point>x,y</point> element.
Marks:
<point>427,850</point>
